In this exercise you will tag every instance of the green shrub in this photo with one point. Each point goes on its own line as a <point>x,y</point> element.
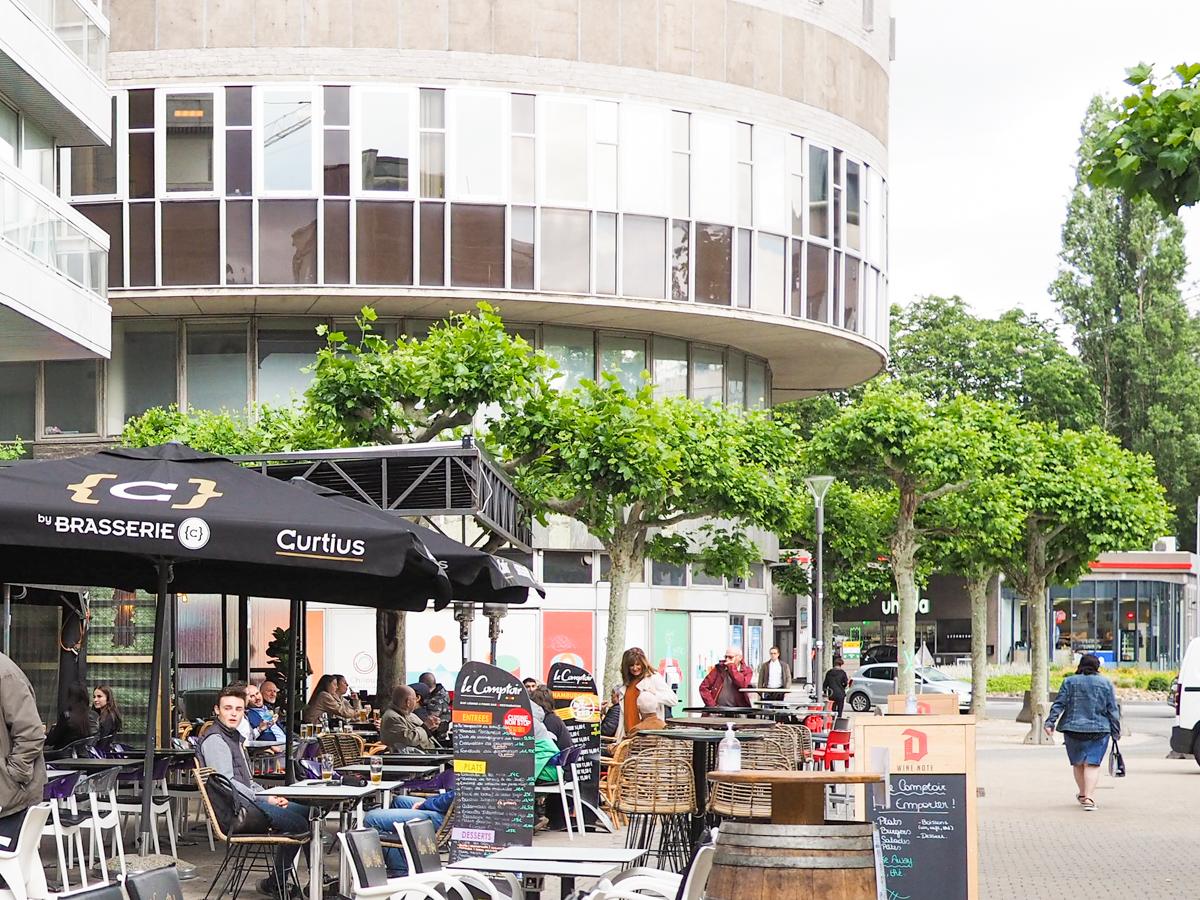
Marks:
<point>1158,683</point>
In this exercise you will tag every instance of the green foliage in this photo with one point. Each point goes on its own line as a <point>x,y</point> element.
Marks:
<point>272,429</point>
<point>1141,679</point>
<point>12,450</point>
<point>718,551</point>
<point>1148,144</point>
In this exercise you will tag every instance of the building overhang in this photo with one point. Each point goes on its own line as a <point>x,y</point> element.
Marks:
<point>806,357</point>
<point>44,315</point>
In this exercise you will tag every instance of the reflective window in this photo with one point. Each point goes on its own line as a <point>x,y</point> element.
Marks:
<point>853,205</point>
<point>624,358</point>
<point>644,257</point>
<point>818,192</point>
<point>189,142</point>
<point>287,242</point>
<point>700,578</point>
<point>239,164</point>
<point>287,140</point>
<point>850,300</point>
<point>818,283</point>
<point>337,241</point>
<point>756,384</point>
<point>384,249</point>
<point>574,351</point>
<point>336,105</point>
<point>606,253</point>
<point>566,250</point>
<point>142,245</point>
<point>714,263</point>
<point>744,256</point>
<point>141,108</point>
<point>566,567</point>
<point>745,174</point>
<point>735,380</point>
<point>796,199</point>
<point>191,243</point>
<point>477,246</point>
<point>37,154</point>
<point>109,216</point>
<point>479,153</point>
<point>383,133</point>
<point>796,286</point>
<point>10,134</point>
<point>239,253</point>
<point>681,164</point>
<point>670,367</point>
<point>143,370</point>
<point>284,350</point>
<point>770,273</point>
<point>606,122</point>
<point>18,399</point>
<point>524,161</point>
<point>69,388</point>
<point>433,244</point>
<point>667,575</point>
<point>708,375</point>
<point>433,143</point>
<point>336,163</point>
<point>565,138</point>
<point>141,165</point>
<point>837,198</point>
<point>238,105</point>
<point>93,169</point>
<point>216,367</point>
<point>521,249</point>
<point>680,260</point>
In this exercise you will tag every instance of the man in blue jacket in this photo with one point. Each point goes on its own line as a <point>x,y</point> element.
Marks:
<point>407,809</point>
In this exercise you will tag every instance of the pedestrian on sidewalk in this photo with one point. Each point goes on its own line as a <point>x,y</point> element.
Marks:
<point>836,682</point>
<point>1086,713</point>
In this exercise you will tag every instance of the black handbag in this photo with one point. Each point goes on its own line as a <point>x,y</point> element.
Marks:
<point>236,814</point>
<point>1116,762</point>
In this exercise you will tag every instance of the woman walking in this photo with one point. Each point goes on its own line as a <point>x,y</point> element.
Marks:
<point>1086,713</point>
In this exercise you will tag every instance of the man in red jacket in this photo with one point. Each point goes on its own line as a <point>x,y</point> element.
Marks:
<point>723,684</point>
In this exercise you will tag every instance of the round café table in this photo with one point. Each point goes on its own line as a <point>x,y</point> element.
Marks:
<point>712,722</point>
<point>797,798</point>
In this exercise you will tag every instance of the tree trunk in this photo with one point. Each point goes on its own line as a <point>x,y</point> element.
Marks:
<point>1039,639</point>
<point>904,571</point>
<point>627,563</point>
<point>826,661</point>
<point>977,590</point>
<point>389,654</point>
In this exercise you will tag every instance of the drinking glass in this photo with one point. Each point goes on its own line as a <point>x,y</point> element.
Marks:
<point>376,769</point>
<point>326,766</point>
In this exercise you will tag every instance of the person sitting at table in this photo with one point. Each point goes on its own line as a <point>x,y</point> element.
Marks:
<point>327,700</point>
<point>400,727</point>
<point>223,750</point>
<point>73,722</point>
<point>407,809</point>
<point>644,695</point>
<point>723,684</point>
<point>270,696</point>
<point>438,701</point>
<point>104,719</point>
<point>264,725</point>
<point>774,673</point>
<point>542,697</point>
<point>434,724</point>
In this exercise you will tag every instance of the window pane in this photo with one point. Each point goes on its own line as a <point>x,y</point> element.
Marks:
<point>566,567</point>
<point>433,244</point>
<point>190,142</point>
<point>605,164</point>
<point>625,358</point>
<point>141,165</point>
<point>93,169</point>
<point>681,178</point>
<point>745,186</point>
<point>818,283</point>
<point>756,385</point>
<point>384,123</point>
<point>37,155</point>
<point>283,352</point>
<point>238,106</point>
<point>521,247</point>
<point>70,392</point>
<point>853,205</point>
<point>477,246</point>
<point>384,250</point>
<point>239,165</point>
<point>337,104</point>
<point>606,253</point>
<point>524,170</point>
<point>337,242</point>
<point>565,135</point>
<point>708,375</point>
<point>143,371</point>
<point>573,350</point>
<point>714,263</point>
<point>10,134</point>
<point>670,367</point>
<point>796,295</point>
<point>735,380</point>
<point>644,257</point>
<point>142,247</point>
<point>109,216</point>
<point>18,394</point>
<point>433,164</point>
<point>141,108</point>
<point>433,108</point>
<point>216,368</point>
<point>191,243</point>
<point>700,578</point>
<point>667,575</point>
<point>566,250</point>
<point>478,156</point>
<point>523,114</point>
<point>743,270</point>
<point>850,302</point>
<point>818,192</point>
<point>680,260</point>
<point>287,140</point>
<point>239,255</point>
<point>287,242</point>
<point>337,163</point>
<point>770,271</point>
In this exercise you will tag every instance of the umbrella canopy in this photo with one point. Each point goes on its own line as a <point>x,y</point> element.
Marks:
<point>474,574</point>
<point>110,518</point>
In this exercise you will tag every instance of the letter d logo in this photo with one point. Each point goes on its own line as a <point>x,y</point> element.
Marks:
<point>916,745</point>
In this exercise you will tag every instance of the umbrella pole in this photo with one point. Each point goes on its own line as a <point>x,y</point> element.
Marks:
<point>292,694</point>
<point>160,633</point>
<point>7,618</point>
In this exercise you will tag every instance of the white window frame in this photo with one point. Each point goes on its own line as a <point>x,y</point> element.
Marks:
<point>160,143</point>
<point>453,97</point>
<point>217,323</point>
<point>412,95</point>
<point>316,131</point>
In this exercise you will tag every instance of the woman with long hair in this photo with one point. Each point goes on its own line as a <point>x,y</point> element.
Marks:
<point>644,695</point>
<point>72,724</point>
<point>542,697</point>
<point>106,715</point>
<point>1086,713</point>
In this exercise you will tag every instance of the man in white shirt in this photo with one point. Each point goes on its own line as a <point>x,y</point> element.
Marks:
<point>775,673</point>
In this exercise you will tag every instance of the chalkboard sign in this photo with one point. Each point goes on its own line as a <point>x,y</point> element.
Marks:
<point>923,837</point>
<point>493,762</point>
<point>578,705</point>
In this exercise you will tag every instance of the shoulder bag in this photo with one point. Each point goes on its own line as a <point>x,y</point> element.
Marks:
<point>1116,762</point>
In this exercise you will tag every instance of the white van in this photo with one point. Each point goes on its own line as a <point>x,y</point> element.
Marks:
<point>1185,736</point>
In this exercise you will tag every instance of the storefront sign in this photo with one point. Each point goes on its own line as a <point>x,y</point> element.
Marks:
<point>493,762</point>
<point>578,705</point>
<point>851,649</point>
<point>891,606</point>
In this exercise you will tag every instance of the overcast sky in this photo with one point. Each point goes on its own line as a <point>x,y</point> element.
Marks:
<point>987,100</point>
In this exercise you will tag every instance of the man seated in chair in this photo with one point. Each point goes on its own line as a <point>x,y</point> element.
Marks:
<point>223,749</point>
<point>400,727</point>
<point>407,809</point>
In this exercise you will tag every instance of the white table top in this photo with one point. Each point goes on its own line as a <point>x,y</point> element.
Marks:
<point>536,866</point>
<point>392,770</point>
<point>262,745</point>
<point>619,855</point>
<point>327,790</point>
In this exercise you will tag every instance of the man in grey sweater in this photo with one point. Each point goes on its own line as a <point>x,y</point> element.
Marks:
<point>22,767</point>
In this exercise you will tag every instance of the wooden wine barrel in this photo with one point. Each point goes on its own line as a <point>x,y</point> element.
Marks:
<point>796,862</point>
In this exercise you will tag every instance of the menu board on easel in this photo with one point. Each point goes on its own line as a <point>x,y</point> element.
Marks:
<point>493,762</point>
<point>578,705</point>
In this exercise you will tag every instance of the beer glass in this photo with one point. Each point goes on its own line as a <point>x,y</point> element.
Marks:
<point>327,767</point>
<point>376,769</point>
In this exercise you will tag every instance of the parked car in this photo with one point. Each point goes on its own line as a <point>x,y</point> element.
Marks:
<point>879,653</point>
<point>1185,735</point>
<point>873,683</point>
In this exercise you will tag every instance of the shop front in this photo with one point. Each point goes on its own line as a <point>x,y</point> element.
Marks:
<point>943,622</point>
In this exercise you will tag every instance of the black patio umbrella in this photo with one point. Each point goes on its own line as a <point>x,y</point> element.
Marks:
<point>169,518</point>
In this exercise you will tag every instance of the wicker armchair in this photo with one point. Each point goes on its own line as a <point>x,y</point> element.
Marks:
<point>657,793</point>
<point>749,801</point>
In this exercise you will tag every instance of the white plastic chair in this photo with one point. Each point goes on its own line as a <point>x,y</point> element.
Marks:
<point>652,884</point>
<point>419,839</point>
<point>66,827</point>
<point>102,804</point>
<point>567,785</point>
<point>405,887</point>
<point>21,867</point>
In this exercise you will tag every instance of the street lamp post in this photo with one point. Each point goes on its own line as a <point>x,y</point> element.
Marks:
<point>817,486</point>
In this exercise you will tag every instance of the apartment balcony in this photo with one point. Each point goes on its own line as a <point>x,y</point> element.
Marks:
<point>53,277</point>
<point>53,55</point>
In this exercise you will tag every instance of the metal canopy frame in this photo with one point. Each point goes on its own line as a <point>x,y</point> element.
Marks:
<point>420,481</point>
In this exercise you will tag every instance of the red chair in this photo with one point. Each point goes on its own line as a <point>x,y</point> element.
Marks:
<point>836,749</point>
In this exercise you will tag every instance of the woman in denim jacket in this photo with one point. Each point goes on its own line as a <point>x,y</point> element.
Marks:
<point>1087,705</point>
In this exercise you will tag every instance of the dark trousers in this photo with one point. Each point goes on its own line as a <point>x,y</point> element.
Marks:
<point>838,703</point>
<point>291,819</point>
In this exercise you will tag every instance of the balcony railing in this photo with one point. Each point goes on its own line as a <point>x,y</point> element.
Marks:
<point>37,229</point>
<point>80,25</point>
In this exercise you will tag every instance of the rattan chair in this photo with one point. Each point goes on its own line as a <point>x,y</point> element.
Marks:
<point>804,745</point>
<point>657,794</point>
<point>749,801</point>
